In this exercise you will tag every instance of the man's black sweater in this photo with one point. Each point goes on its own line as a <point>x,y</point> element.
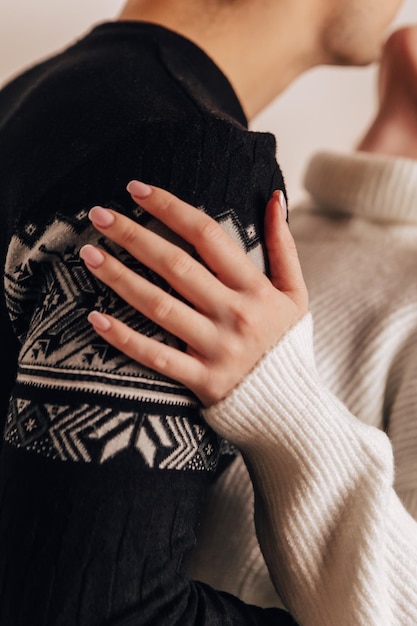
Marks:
<point>105,464</point>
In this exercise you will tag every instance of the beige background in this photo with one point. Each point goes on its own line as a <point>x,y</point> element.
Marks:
<point>326,108</point>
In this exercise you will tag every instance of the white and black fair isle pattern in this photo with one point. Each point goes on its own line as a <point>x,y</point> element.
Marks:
<point>76,396</point>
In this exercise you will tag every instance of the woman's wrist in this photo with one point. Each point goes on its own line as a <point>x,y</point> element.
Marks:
<point>248,416</point>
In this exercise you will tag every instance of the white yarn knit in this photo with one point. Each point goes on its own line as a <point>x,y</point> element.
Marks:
<point>334,528</point>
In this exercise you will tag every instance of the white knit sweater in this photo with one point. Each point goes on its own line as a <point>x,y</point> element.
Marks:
<point>333,493</point>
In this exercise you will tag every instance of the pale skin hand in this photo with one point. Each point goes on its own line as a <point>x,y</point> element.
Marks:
<point>236,315</point>
<point>394,129</point>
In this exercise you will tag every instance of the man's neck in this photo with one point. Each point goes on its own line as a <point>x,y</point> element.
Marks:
<point>259,52</point>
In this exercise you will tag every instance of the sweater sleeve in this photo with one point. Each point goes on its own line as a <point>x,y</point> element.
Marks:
<point>340,546</point>
<point>104,465</point>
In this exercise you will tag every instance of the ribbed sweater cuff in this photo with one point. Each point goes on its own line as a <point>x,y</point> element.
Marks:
<point>313,464</point>
<point>283,409</point>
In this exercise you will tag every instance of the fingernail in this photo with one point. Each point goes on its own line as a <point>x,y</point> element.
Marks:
<point>283,204</point>
<point>101,217</point>
<point>99,321</point>
<point>92,255</point>
<point>139,189</point>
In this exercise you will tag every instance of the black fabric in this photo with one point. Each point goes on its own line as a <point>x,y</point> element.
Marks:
<point>105,463</point>
<point>114,556</point>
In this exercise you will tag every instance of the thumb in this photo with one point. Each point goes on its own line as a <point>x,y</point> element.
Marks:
<point>284,265</point>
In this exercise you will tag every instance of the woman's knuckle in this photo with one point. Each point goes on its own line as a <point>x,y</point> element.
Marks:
<point>245,319</point>
<point>209,229</point>
<point>290,244</point>
<point>166,203</point>
<point>179,263</point>
<point>161,307</point>
<point>128,236</point>
<point>261,290</point>
<point>124,340</point>
<point>159,360</point>
<point>115,274</point>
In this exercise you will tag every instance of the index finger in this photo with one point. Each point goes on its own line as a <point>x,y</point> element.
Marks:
<point>215,246</point>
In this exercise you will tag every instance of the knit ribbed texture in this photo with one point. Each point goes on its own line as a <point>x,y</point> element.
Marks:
<point>105,465</point>
<point>339,543</point>
<point>374,185</point>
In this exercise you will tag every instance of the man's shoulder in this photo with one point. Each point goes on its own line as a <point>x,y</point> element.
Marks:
<point>108,85</point>
<point>93,117</point>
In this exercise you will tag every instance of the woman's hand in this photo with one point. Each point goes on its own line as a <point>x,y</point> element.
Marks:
<point>236,314</point>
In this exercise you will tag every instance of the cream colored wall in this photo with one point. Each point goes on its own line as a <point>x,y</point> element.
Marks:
<point>327,108</point>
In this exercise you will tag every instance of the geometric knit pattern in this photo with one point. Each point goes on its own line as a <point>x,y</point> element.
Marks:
<point>107,463</point>
<point>59,349</point>
<point>94,434</point>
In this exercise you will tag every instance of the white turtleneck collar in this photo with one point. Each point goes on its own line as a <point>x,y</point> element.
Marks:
<point>375,187</point>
